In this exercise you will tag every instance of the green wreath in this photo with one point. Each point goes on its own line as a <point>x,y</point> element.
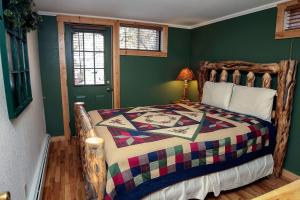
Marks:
<point>21,14</point>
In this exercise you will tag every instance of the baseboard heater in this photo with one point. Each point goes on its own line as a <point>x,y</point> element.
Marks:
<point>36,192</point>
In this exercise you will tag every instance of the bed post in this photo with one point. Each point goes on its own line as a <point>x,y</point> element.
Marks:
<point>95,165</point>
<point>77,106</point>
<point>91,154</point>
<point>203,73</point>
<point>286,86</point>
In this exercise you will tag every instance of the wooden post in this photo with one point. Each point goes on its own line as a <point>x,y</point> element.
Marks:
<point>213,76</point>
<point>224,76</point>
<point>63,80</point>
<point>95,165</point>
<point>286,87</point>
<point>250,79</point>
<point>236,77</point>
<point>266,82</point>
<point>202,78</point>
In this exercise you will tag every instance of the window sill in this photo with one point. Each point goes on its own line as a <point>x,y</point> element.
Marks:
<point>143,53</point>
<point>287,34</point>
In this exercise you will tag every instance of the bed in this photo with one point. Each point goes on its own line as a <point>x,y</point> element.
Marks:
<point>153,152</point>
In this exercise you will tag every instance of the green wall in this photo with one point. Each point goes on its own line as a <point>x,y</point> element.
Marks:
<point>151,80</point>
<point>48,52</point>
<point>144,80</point>
<point>251,38</point>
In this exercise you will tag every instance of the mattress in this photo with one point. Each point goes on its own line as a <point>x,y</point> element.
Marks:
<point>150,148</point>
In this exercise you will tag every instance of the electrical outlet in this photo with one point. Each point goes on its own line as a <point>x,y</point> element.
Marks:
<point>25,190</point>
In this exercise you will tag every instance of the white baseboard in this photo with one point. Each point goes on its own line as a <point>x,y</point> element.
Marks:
<point>36,189</point>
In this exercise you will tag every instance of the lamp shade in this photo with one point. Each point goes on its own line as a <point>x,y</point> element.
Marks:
<point>185,75</point>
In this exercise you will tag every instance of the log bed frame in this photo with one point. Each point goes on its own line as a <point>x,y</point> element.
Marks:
<point>92,147</point>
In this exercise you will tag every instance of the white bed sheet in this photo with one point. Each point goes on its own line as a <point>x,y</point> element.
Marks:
<point>216,182</point>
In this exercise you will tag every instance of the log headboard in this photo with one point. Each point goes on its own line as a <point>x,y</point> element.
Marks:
<point>284,71</point>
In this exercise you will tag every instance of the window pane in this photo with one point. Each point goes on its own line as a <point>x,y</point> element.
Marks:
<point>20,55</point>
<point>99,60</point>
<point>89,76</point>
<point>17,81</point>
<point>100,76</point>
<point>13,84</point>
<point>78,41</point>
<point>9,52</point>
<point>140,38</point>
<point>88,41</point>
<point>23,86</point>
<point>149,39</point>
<point>131,37</point>
<point>14,46</point>
<point>79,76</point>
<point>99,42</point>
<point>292,19</point>
<point>122,37</point>
<point>78,59</point>
<point>89,59</point>
<point>25,55</point>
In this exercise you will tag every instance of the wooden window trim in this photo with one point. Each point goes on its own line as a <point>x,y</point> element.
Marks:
<point>280,32</point>
<point>164,40</point>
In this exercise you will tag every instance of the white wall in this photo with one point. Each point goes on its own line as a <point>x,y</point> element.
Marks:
<point>21,139</point>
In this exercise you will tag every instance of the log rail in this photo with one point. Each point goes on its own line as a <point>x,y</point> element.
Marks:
<point>91,154</point>
<point>286,77</point>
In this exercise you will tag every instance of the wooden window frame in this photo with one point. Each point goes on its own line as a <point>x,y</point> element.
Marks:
<point>15,100</point>
<point>164,40</point>
<point>280,32</point>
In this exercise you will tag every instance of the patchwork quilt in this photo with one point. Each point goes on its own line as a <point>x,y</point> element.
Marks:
<point>149,148</point>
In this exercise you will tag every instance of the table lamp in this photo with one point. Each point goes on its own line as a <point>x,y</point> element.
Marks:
<point>185,75</point>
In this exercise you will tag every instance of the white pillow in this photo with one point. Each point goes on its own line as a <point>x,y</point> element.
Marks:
<point>217,94</point>
<point>252,101</point>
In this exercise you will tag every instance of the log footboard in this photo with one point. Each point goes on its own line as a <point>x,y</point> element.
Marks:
<point>91,154</point>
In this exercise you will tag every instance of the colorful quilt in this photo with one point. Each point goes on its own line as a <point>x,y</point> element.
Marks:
<point>161,145</point>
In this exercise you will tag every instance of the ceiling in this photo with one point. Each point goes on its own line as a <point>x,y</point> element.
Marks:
<point>185,13</point>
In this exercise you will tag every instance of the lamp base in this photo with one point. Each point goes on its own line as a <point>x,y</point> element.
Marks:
<point>185,92</point>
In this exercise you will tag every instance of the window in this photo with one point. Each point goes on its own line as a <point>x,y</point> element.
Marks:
<point>88,58</point>
<point>15,69</point>
<point>143,39</point>
<point>288,20</point>
<point>140,38</point>
<point>292,16</point>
